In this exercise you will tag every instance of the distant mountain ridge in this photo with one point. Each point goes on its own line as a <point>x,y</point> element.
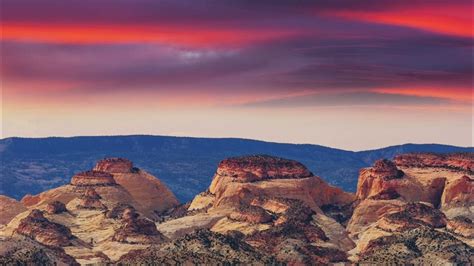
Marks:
<point>185,164</point>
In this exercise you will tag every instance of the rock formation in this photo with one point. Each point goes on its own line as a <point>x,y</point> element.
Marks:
<point>260,167</point>
<point>55,207</point>
<point>235,183</point>
<point>114,165</point>
<point>458,193</point>
<point>143,191</point>
<point>137,230</point>
<point>37,227</point>
<point>93,178</point>
<point>90,200</point>
<point>455,161</point>
<point>9,208</point>
<point>462,226</point>
<point>257,210</point>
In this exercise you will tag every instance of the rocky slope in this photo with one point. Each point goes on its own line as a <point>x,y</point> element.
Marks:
<point>257,210</point>
<point>9,208</point>
<point>81,218</point>
<point>404,204</point>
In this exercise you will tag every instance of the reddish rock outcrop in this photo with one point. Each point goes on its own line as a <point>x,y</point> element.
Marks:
<point>93,178</point>
<point>55,207</point>
<point>385,181</point>
<point>240,180</point>
<point>462,226</point>
<point>456,161</point>
<point>261,167</point>
<point>137,230</point>
<point>90,200</point>
<point>37,227</point>
<point>114,165</point>
<point>458,193</point>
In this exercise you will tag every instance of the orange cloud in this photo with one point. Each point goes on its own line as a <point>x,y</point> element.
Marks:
<point>92,34</point>
<point>445,19</point>
<point>457,94</point>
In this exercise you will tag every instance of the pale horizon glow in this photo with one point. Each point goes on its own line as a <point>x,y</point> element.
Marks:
<point>347,74</point>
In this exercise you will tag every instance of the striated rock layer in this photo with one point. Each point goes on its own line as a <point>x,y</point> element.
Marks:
<point>114,165</point>
<point>37,227</point>
<point>93,178</point>
<point>455,161</point>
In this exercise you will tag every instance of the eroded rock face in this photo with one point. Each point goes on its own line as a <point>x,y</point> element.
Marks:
<point>462,226</point>
<point>455,161</point>
<point>458,193</point>
<point>90,199</point>
<point>385,181</point>
<point>37,227</point>
<point>261,167</point>
<point>55,207</point>
<point>114,165</point>
<point>137,230</point>
<point>9,208</point>
<point>235,184</point>
<point>93,178</point>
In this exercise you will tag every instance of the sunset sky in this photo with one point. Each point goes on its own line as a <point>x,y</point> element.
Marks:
<point>342,73</point>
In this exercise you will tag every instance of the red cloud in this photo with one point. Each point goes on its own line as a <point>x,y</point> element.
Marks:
<point>181,35</point>
<point>451,19</point>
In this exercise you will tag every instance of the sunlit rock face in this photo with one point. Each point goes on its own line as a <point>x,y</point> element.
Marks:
<point>239,180</point>
<point>455,161</point>
<point>114,165</point>
<point>458,193</point>
<point>261,167</point>
<point>39,228</point>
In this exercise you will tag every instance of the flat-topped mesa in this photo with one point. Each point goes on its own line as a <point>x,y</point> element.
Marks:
<point>455,161</point>
<point>93,178</point>
<point>114,165</point>
<point>261,167</point>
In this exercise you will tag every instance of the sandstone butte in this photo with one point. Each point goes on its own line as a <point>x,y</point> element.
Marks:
<point>264,208</point>
<point>412,191</point>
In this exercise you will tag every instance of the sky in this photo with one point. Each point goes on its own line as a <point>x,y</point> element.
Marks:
<point>347,74</point>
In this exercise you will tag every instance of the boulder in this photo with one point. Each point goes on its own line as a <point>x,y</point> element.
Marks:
<point>55,207</point>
